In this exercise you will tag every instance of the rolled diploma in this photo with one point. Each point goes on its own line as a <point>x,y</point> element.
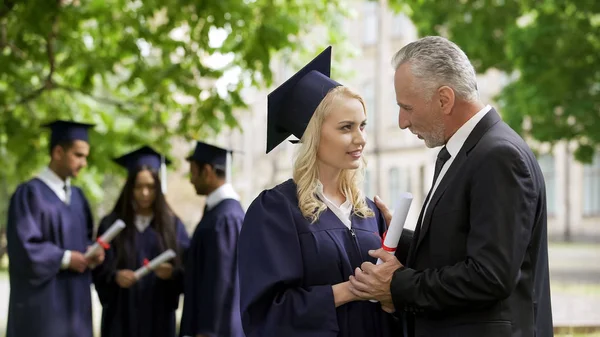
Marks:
<point>394,231</point>
<point>107,237</point>
<point>162,258</point>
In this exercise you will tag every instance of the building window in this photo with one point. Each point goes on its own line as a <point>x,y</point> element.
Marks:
<point>399,182</point>
<point>369,97</point>
<point>403,27</point>
<point>370,30</point>
<point>591,187</point>
<point>547,165</point>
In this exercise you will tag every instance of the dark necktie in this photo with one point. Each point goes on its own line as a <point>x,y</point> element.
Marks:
<point>66,189</point>
<point>442,158</point>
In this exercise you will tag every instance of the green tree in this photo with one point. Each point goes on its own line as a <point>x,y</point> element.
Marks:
<point>142,71</point>
<point>551,49</point>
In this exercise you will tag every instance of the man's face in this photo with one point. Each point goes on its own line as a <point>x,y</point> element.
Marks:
<point>200,177</point>
<point>416,111</point>
<point>73,158</point>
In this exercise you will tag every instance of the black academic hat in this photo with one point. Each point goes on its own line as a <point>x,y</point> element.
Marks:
<point>63,131</point>
<point>293,103</point>
<point>213,155</point>
<point>209,154</point>
<point>144,156</point>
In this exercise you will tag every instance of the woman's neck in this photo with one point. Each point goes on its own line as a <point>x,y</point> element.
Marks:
<point>144,212</point>
<point>330,179</point>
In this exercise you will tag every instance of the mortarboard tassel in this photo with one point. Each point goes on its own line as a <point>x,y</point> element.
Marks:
<point>228,167</point>
<point>163,175</point>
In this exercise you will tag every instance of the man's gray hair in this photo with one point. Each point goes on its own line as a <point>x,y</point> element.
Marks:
<point>435,62</point>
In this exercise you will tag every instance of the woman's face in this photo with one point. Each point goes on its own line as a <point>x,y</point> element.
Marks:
<point>144,191</point>
<point>343,137</point>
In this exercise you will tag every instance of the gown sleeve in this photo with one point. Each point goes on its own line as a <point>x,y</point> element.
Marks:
<point>39,260</point>
<point>274,301</point>
<point>104,274</point>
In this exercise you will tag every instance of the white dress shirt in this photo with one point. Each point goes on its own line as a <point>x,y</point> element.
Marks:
<point>57,185</point>
<point>455,143</point>
<point>142,222</point>
<point>226,191</point>
<point>343,211</point>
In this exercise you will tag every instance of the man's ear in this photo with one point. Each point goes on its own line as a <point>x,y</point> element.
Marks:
<point>446,99</point>
<point>57,153</point>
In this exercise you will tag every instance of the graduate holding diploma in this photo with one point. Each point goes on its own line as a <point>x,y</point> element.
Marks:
<point>302,239</point>
<point>49,229</point>
<point>143,307</point>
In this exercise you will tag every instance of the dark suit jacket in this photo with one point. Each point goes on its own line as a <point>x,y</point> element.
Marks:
<point>479,266</point>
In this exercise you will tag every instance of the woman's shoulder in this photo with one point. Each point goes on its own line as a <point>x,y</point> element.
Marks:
<point>277,196</point>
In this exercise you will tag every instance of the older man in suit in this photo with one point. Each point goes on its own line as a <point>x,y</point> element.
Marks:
<point>478,262</point>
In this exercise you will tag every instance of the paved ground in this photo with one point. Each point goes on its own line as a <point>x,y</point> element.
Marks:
<point>575,283</point>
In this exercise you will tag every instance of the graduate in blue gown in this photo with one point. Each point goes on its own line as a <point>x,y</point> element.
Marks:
<point>211,299</point>
<point>303,239</point>
<point>144,307</point>
<point>49,229</point>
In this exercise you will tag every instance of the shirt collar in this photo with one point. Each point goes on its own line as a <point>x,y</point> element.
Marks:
<point>226,191</point>
<point>346,206</point>
<point>457,140</point>
<point>142,222</point>
<point>55,183</point>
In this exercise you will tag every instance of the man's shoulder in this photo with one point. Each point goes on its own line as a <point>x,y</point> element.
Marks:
<point>501,139</point>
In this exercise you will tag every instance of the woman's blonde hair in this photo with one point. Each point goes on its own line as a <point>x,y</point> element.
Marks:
<point>306,173</point>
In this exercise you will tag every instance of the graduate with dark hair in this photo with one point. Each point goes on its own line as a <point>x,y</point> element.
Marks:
<point>144,307</point>
<point>48,231</point>
<point>211,300</point>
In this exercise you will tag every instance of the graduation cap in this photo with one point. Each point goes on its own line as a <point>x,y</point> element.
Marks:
<point>63,131</point>
<point>146,156</point>
<point>213,155</point>
<point>293,103</point>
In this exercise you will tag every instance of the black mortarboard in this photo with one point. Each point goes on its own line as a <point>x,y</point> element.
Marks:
<point>144,156</point>
<point>209,154</point>
<point>293,103</point>
<point>63,131</point>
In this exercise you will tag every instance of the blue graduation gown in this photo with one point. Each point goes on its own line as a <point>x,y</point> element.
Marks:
<point>211,298</point>
<point>288,267</point>
<point>147,309</point>
<point>45,300</point>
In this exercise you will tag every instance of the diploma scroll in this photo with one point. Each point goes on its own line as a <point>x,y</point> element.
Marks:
<point>150,266</point>
<point>103,241</point>
<point>392,236</point>
<point>394,231</point>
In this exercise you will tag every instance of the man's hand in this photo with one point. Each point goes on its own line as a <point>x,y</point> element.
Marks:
<point>78,262</point>
<point>96,259</point>
<point>164,271</point>
<point>388,307</point>
<point>125,278</point>
<point>373,282</point>
<point>385,211</point>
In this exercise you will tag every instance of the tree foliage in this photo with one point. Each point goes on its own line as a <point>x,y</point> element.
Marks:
<point>142,71</point>
<point>550,49</point>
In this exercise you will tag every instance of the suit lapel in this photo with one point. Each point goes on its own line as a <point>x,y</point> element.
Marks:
<point>489,120</point>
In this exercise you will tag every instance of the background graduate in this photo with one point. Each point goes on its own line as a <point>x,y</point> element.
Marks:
<point>145,307</point>
<point>302,240</point>
<point>211,298</point>
<point>49,229</point>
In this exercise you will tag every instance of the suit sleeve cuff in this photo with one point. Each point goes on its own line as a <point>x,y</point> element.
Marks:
<point>66,260</point>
